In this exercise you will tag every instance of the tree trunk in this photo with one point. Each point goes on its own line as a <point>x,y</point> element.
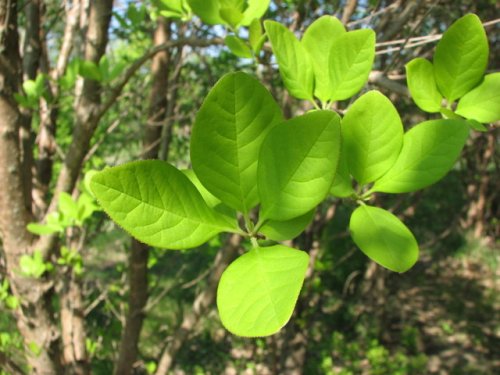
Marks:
<point>34,317</point>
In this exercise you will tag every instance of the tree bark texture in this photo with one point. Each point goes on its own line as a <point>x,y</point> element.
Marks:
<point>34,317</point>
<point>88,103</point>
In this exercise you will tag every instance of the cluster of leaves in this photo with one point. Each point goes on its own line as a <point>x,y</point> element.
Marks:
<point>70,213</point>
<point>457,72</point>
<point>259,176</point>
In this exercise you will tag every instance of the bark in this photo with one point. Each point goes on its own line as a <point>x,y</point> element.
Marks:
<point>201,305</point>
<point>34,317</point>
<point>75,356</point>
<point>49,112</point>
<point>30,61</point>
<point>349,9</point>
<point>88,103</point>
<point>138,261</point>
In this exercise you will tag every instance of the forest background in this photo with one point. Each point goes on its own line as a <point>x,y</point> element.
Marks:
<point>86,84</point>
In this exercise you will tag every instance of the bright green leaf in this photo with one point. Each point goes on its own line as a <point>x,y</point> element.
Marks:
<point>255,9</point>
<point>372,135</point>
<point>351,59</point>
<point>317,41</point>
<point>231,16</point>
<point>43,229</point>
<point>429,151</point>
<point>476,125</point>
<point>297,163</point>
<point>293,61</point>
<point>255,33</point>
<point>157,204</point>
<point>286,230</point>
<point>67,206</point>
<point>238,47</point>
<point>383,238</point>
<point>88,69</point>
<point>483,102</point>
<point>422,85</point>
<point>461,57</point>
<point>227,134</point>
<point>207,10</point>
<point>258,291</point>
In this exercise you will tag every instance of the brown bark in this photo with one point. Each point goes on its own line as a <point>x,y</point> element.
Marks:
<point>73,333</point>
<point>34,317</point>
<point>88,103</point>
<point>349,9</point>
<point>48,112</point>
<point>201,305</point>
<point>138,261</point>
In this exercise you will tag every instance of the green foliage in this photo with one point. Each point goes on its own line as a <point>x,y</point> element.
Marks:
<point>351,60</point>
<point>429,151</point>
<point>238,46</point>
<point>372,135</point>
<point>229,129</point>
<point>34,90</point>
<point>34,265</point>
<point>6,298</point>
<point>297,164</point>
<point>383,238</point>
<point>461,57</point>
<point>257,292</point>
<point>483,102</point>
<point>422,85</point>
<point>317,39</point>
<point>294,63</point>
<point>259,176</point>
<point>457,71</point>
<point>158,205</point>
<point>234,13</point>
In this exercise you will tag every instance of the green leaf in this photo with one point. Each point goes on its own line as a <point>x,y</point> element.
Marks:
<point>43,229</point>
<point>255,34</point>
<point>297,163</point>
<point>67,206</point>
<point>157,204</point>
<point>258,291</point>
<point>231,16</point>
<point>476,125</point>
<point>286,230</point>
<point>372,135</point>
<point>255,9</point>
<point>238,47</point>
<point>227,134</point>
<point>422,85</point>
<point>483,102</point>
<point>383,238</point>
<point>342,182</point>
<point>88,69</point>
<point>351,60</point>
<point>429,151</point>
<point>317,40</point>
<point>293,61</point>
<point>461,57</point>
<point>207,10</point>
<point>211,200</point>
